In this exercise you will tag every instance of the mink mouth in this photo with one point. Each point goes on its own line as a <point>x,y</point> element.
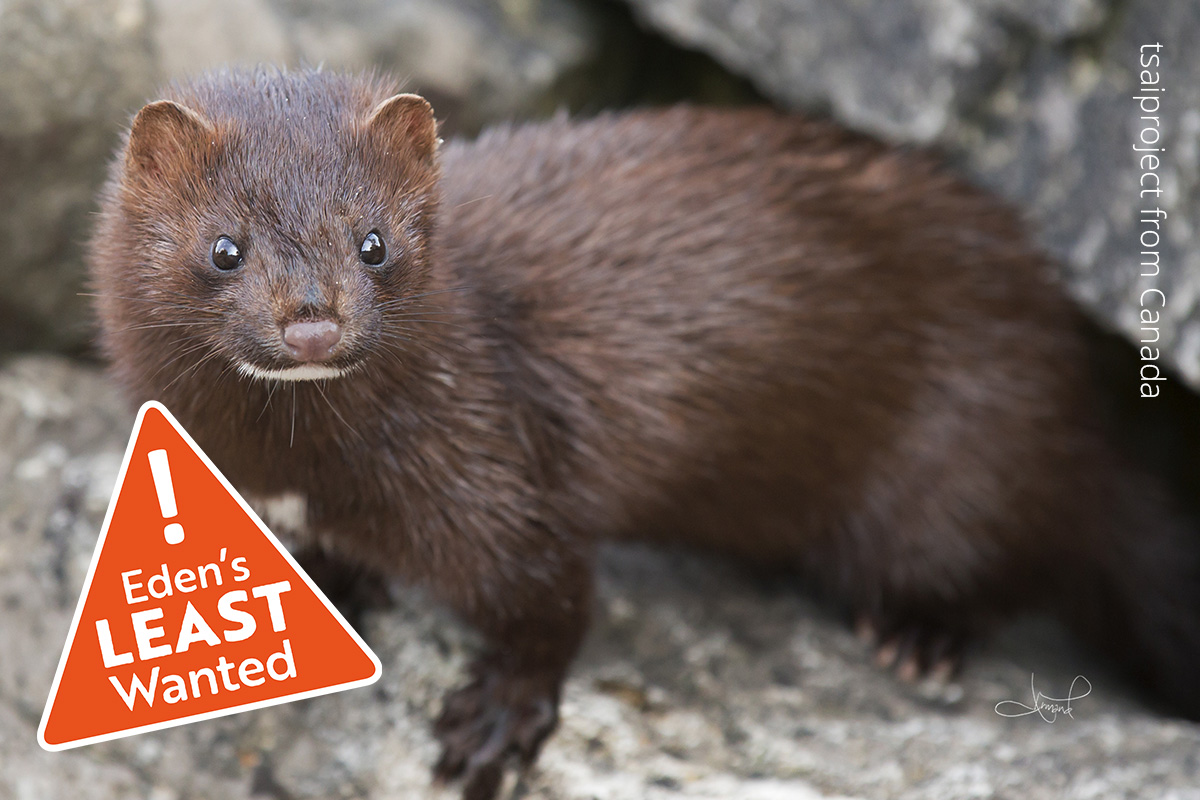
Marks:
<point>269,360</point>
<point>299,372</point>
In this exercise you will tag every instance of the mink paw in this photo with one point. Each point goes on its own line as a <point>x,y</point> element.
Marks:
<point>914,649</point>
<point>353,588</point>
<point>496,718</point>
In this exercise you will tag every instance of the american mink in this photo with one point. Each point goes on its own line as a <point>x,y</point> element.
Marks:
<point>466,364</point>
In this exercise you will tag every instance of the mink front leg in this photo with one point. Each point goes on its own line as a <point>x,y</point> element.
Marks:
<point>533,617</point>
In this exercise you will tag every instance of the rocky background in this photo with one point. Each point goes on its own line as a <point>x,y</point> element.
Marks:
<point>698,682</point>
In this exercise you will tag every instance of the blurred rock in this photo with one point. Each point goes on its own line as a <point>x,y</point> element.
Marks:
<point>1030,98</point>
<point>696,681</point>
<point>72,72</point>
<point>490,60</point>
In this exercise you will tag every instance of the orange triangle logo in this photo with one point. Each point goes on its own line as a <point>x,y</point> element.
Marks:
<point>191,609</point>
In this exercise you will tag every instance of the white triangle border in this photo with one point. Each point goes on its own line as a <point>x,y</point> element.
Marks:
<point>87,585</point>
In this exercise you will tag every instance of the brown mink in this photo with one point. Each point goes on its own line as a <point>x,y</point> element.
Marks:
<point>467,364</point>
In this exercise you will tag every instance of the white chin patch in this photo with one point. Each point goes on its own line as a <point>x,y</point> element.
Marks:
<point>304,372</point>
<point>287,512</point>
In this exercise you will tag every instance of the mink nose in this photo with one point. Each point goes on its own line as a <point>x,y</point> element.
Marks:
<point>312,341</point>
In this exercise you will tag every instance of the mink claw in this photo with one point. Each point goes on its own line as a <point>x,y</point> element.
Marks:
<point>914,651</point>
<point>491,722</point>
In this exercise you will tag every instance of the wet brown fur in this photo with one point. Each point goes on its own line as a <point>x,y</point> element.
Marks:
<point>736,329</point>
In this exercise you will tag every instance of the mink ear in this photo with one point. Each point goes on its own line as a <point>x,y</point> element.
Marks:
<point>166,139</point>
<point>405,122</point>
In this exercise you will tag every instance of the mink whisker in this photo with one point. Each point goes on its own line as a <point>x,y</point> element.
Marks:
<point>338,414</point>
<point>195,348</point>
<point>155,302</point>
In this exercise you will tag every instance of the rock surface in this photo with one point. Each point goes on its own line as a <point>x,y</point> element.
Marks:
<point>1030,98</point>
<point>696,682</point>
<point>70,73</point>
<point>73,71</point>
<point>904,70</point>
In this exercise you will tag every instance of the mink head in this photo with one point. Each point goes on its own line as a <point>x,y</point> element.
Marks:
<point>267,223</point>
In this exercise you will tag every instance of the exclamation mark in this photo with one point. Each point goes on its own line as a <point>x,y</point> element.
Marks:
<point>161,471</point>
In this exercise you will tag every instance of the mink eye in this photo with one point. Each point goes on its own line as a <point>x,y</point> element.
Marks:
<point>226,255</point>
<point>372,250</point>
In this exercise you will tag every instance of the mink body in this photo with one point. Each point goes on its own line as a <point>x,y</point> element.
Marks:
<point>735,329</point>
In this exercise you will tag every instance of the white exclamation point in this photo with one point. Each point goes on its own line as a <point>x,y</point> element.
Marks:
<point>161,471</point>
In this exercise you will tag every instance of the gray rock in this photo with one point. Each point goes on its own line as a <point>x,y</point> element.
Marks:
<point>695,683</point>
<point>1030,98</point>
<point>903,70</point>
<point>73,71</point>
<point>70,72</point>
<point>1065,154</point>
